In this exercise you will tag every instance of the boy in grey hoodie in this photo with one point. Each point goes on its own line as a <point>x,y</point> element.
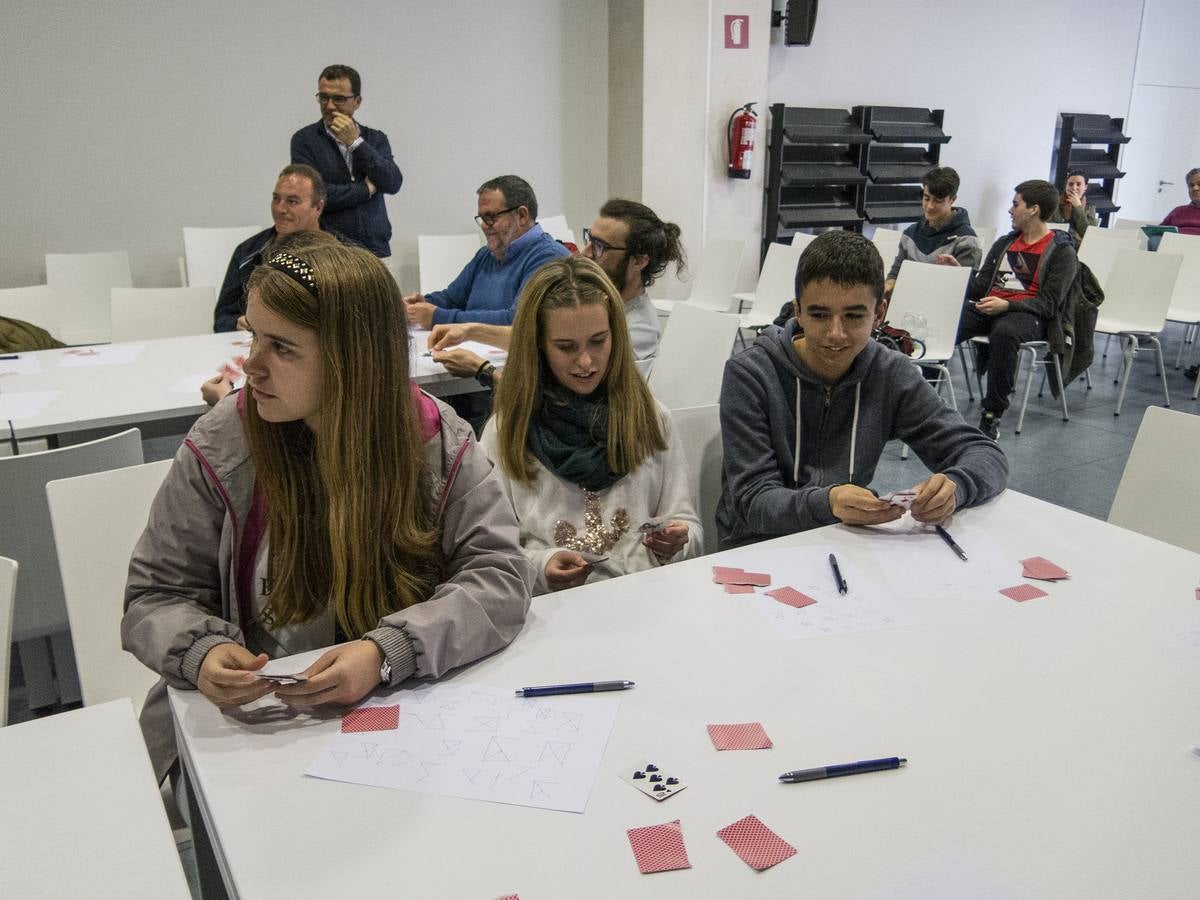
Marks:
<point>808,408</point>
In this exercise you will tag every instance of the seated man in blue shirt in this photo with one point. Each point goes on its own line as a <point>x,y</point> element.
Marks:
<point>487,289</point>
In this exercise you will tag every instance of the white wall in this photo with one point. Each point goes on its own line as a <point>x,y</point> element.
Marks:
<point>1002,72</point>
<point>127,120</point>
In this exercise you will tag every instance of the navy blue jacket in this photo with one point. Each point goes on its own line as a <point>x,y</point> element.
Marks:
<point>231,302</point>
<point>349,207</point>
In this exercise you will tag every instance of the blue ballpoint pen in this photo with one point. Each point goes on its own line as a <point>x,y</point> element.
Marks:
<point>854,768</point>
<point>842,587</point>
<point>586,687</point>
<point>945,536</point>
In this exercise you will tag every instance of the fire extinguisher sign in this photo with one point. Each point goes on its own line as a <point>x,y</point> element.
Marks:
<point>737,32</point>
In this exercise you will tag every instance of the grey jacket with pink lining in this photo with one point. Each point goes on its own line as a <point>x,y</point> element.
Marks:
<point>191,572</point>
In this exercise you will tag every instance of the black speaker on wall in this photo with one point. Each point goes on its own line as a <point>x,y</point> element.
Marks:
<point>801,19</point>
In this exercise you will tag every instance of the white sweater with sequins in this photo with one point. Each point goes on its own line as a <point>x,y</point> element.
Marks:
<point>557,515</point>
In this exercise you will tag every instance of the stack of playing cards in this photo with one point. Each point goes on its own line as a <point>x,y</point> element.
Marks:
<point>900,498</point>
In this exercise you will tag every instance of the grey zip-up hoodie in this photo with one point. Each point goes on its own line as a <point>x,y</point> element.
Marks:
<point>789,437</point>
<point>188,575</point>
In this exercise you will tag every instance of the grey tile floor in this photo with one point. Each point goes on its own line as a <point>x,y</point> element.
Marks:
<point>1076,464</point>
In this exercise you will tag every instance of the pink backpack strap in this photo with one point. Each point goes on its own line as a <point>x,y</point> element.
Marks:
<point>429,419</point>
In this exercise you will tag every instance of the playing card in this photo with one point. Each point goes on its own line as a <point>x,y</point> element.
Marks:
<point>1042,569</point>
<point>757,845</point>
<point>652,526</point>
<point>900,498</point>
<point>739,588</point>
<point>1023,592</point>
<point>371,718</point>
<point>281,679</point>
<point>592,559</point>
<point>725,574</point>
<point>790,596</point>
<point>652,780</point>
<point>742,736</point>
<point>659,848</point>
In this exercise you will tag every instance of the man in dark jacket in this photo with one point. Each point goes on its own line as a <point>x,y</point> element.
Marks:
<point>296,205</point>
<point>355,161</point>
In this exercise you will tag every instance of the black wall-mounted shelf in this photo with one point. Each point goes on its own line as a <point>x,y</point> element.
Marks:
<point>1072,137</point>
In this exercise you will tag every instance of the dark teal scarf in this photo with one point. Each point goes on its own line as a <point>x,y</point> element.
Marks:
<point>569,435</point>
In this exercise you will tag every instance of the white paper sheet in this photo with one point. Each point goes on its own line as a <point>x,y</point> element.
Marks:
<point>22,365</point>
<point>101,355</point>
<point>23,404</point>
<point>866,606</point>
<point>918,564</point>
<point>482,743</point>
<point>1186,636</point>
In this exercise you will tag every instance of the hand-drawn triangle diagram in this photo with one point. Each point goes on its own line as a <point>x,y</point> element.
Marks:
<point>339,755</point>
<point>471,774</point>
<point>538,791</point>
<point>493,752</point>
<point>489,699</point>
<point>393,756</point>
<point>435,723</point>
<point>368,749</point>
<point>570,722</point>
<point>485,723</point>
<point>428,767</point>
<point>449,748</point>
<point>556,749</point>
<point>451,704</point>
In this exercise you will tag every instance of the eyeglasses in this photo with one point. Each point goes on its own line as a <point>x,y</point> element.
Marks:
<point>599,247</point>
<point>489,219</point>
<point>338,99</point>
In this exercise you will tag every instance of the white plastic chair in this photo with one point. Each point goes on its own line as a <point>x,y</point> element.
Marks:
<point>38,305</point>
<point>26,536</point>
<point>929,298</point>
<point>97,519</point>
<point>1100,247</point>
<point>82,282</point>
<point>557,228</point>
<point>1185,301</point>
<point>699,430</point>
<point>1135,224</point>
<point>987,236</point>
<point>887,242</point>
<point>441,257</point>
<point>776,284</point>
<point>206,253</point>
<point>1159,493</point>
<point>691,357</point>
<point>1136,299</point>
<point>143,313</point>
<point>8,589</point>
<point>716,277</point>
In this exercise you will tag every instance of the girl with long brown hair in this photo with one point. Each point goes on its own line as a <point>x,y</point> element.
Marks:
<point>594,470</point>
<point>328,503</point>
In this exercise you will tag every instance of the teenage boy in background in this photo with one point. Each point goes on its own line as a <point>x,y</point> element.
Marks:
<point>944,235</point>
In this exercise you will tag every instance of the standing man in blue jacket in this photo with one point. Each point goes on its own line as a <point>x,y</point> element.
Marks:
<point>355,161</point>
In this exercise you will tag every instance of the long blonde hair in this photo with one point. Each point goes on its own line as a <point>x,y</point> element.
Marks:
<point>634,429</point>
<point>350,508</point>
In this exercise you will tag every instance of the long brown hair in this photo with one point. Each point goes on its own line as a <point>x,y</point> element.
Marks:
<point>634,429</point>
<point>350,507</point>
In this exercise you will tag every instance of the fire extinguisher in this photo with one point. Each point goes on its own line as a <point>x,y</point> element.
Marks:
<point>740,135</point>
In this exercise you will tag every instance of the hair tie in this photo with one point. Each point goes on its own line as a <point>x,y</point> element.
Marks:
<point>296,269</point>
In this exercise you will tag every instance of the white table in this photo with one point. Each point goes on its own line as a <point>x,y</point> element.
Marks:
<point>91,398</point>
<point>82,815</point>
<point>1048,744</point>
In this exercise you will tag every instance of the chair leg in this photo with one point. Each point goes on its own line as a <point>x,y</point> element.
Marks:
<point>1162,370</point>
<point>1107,341</point>
<point>1028,381</point>
<point>1129,348</point>
<point>1062,391</point>
<point>945,372</point>
<point>962,357</point>
<point>1196,388</point>
<point>1087,377</point>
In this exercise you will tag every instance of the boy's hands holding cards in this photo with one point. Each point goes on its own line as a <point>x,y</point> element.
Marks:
<point>936,500</point>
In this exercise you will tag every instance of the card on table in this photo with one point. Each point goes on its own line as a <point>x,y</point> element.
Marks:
<point>739,588</point>
<point>1042,569</point>
<point>659,848</point>
<point>740,736</point>
<point>653,780</point>
<point>371,718</point>
<point>757,845</point>
<point>791,597</point>
<point>1023,592</point>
